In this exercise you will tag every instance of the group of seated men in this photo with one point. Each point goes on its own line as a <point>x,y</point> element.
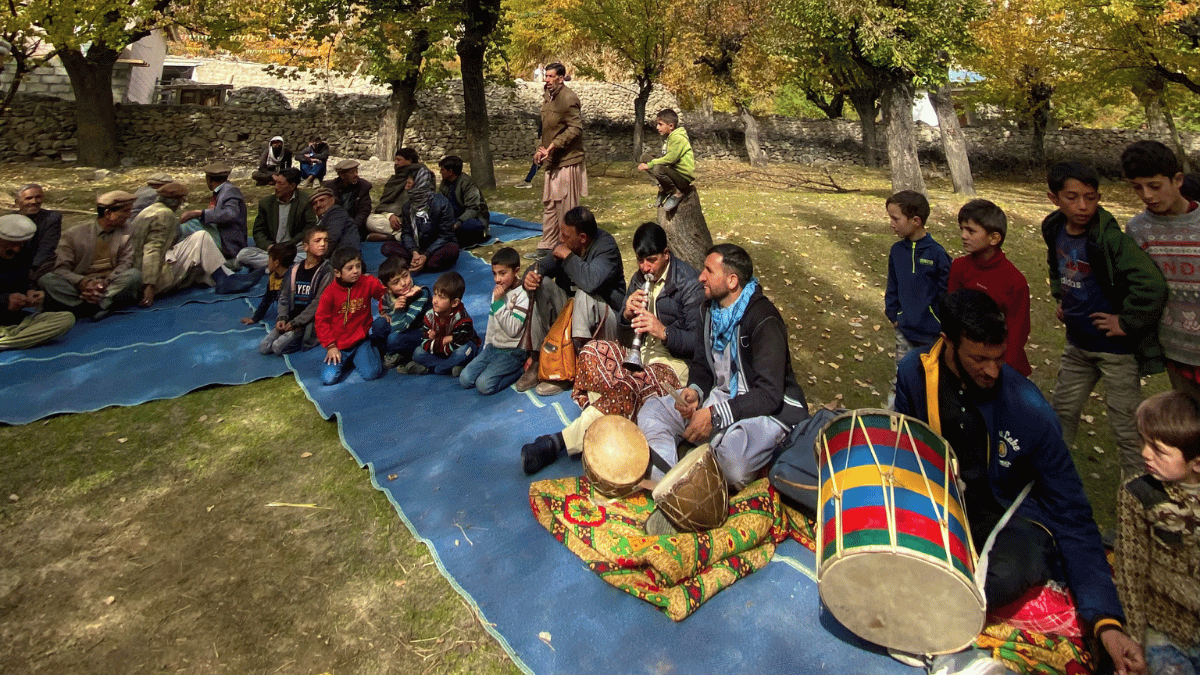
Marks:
<point>140,246</point>
<point>718,371</point>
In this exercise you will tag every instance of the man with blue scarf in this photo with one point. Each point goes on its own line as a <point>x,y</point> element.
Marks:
<point>742,370</point>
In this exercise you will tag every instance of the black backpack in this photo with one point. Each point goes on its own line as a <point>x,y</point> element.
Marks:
<point>795,472</point>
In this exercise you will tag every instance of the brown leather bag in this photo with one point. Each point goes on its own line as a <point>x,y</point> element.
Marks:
<point>557,362</point>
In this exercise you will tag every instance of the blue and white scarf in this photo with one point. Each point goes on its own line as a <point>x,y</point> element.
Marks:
<point>725,319</point>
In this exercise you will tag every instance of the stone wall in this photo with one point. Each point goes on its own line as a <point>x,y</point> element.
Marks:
<point>170,134</point>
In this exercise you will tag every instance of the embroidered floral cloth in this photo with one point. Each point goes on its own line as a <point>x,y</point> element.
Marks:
<point>675,573</point>
<point>1010,640</point>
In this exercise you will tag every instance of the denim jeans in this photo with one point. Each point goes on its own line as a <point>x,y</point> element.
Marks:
<point>494,369</point>
<point>279,343</point>
<point>402,342</point>
<point>1168,659</point>
<point>370,364</point>
<point>1077,375</point>
<point>442,365</point>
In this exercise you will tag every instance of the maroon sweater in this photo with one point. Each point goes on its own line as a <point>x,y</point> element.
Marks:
<point>1005,284</point>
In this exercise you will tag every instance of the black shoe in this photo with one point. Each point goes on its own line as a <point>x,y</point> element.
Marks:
<point>671,202</point>
<point>539,454</point>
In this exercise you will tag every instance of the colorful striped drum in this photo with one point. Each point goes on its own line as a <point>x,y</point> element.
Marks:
<point>896,564</point>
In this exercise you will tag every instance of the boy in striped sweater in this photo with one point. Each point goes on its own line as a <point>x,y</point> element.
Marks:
<point>450,339</point>
<point>502,360</point>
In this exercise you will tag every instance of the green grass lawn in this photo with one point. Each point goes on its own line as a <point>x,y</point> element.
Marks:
<point>140,539</point>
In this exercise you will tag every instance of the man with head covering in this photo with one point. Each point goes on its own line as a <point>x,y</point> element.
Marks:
<point>353,194</point>
<point>274,159</point>
<point>93,270</point>
<point>20,329</point>
<point>283,216</point>
<point>49,228</point>
<point>168,262</point>
<point>384,222</point>
<point>342,230</point>
<point>427,227</point>
<point>225,217</point>
<point>148,193</point>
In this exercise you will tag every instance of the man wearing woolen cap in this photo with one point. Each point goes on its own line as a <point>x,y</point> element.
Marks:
<point>353,194</point>
<point>20,329</point>
<point>225,217</point>
<point>168,262</point>
<point>148,193</point>
<point>93,270</point>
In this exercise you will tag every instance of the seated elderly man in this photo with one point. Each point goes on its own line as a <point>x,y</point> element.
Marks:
<point>168,262</point>
<point>334,219</point>
<point>20,329</point>
<point>49,228</point>
<point>225,218</point>
<point>148,193</point>
<point>93,270</point>
<point>662,306</point>
<point>385,222</point>
<point>586,264</point>
<point>283,216</point>
<point>353,194</point>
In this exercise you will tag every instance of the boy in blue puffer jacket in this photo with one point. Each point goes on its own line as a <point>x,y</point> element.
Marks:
<point>918,269</point>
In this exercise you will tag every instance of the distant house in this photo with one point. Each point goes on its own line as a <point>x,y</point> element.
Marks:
<point>135,76</point>
<point>960,82</point>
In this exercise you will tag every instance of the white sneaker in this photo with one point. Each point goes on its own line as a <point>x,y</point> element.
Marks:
<point>523,185</point>
<point>967,662</point>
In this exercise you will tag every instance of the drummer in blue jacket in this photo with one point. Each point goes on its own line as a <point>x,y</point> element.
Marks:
<point>1012,459</point>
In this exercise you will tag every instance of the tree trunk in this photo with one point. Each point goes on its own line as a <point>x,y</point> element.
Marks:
<point>687,230</point>
<point>863,100</point>
<point>403,101</point>
<point>754,151</point>
<point>902,142</point>
<point>953,143</point>
<point>1039,115</point>
<point>645,88</point>
<point>95,113</point>
<point>1176,141</point>
<point>1159,120</point>
<point>470,50</point>
<point>832,108</point>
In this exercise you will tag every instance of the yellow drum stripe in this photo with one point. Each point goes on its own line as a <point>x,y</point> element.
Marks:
<point>868,476</point>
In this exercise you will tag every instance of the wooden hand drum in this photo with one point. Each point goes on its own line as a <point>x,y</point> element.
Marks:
<point>615,456</point>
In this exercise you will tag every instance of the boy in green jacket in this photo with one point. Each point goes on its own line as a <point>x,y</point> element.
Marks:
<point>676,169</point>
<point>1110,297</point>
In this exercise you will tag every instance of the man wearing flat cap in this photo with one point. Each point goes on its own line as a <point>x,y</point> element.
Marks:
<point>330,215</point>
<point>49,228</point>
<point>20,329</point>
<point>169,262</point>
<point>225,217</point>
<point>353,194</point>
<point>148,193</point>
<point>94,271</point>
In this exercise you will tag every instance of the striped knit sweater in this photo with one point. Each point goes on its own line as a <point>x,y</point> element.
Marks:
<point>1173,242</point>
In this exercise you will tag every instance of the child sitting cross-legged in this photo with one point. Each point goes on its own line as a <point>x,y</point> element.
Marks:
<point>1158,538</point>
<point>502,360</point>
<point>280,257</point>
<point>344,319</point>
<point>299,290</point>
<point>400,326</point>
<point>450,338</point>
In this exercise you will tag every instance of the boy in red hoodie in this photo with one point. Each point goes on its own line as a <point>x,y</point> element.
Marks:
<point>343,319</point>
<point>985,268</point>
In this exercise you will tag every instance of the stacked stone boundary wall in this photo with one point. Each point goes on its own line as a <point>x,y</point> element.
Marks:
<point>45,128</point>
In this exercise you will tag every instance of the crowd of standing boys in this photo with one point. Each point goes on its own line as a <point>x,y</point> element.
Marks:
<point>1130,303</point>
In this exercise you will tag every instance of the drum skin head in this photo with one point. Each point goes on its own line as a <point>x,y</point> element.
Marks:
<point>902,602</point>
<point>615,451</point>
<point>693,494</point>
